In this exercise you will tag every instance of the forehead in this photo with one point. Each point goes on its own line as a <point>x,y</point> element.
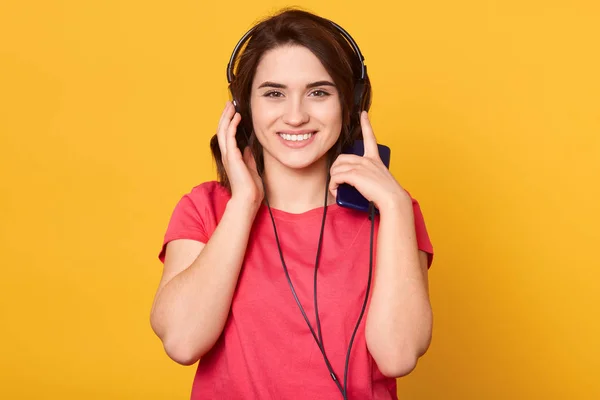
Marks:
<point>290,64</point>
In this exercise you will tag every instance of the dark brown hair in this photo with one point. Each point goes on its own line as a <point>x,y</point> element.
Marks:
<point>296,27</point>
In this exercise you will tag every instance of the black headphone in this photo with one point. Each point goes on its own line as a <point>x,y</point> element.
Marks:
<point>361,86</point>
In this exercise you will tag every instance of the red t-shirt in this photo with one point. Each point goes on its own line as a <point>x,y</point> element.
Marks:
<point>266,350</point>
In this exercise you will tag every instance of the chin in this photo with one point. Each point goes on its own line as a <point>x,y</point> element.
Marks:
<point>298,160</point>
<point>300,164</point>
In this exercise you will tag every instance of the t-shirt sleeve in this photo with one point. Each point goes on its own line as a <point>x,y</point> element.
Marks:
<point>423,240</point>
<point>193,218</point>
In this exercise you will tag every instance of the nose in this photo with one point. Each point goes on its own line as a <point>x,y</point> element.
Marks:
<point>295,113</point>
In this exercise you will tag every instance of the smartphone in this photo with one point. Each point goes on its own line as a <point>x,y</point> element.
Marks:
<point>350,197</point>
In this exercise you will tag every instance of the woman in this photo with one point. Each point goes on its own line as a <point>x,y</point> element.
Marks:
<point>239,288</point>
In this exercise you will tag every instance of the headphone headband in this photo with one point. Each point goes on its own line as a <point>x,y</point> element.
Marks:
<point>344,33</point>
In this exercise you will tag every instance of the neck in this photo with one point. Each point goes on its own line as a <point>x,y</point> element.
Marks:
<point>296,190</point>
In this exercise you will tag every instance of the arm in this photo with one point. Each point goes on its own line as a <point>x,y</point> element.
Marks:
<point>399,320</point>
<point>194,296</point>
<point>193,301</point>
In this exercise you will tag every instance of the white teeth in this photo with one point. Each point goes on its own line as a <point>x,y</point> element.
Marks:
<point>295,138</point>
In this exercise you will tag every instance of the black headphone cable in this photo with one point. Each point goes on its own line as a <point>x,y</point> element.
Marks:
<point>318,339</point>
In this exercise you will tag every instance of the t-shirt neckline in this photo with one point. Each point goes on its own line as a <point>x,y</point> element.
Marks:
<point>306,215</point>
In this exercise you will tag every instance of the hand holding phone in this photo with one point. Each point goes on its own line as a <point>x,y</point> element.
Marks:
<point>349,196</point>
<point>360,175</point>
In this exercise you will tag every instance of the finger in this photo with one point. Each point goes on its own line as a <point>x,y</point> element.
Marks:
<point>370,142</point>
<point>336,180</point>
<point>342,168</point>
<point>358,180</point>
<point>341,177</point>
<point>225,116</point>
<point>350,162</point>
<point>334,184</point>
<point>333,192</point>
<point>230,142</point>
<point>348,159</point>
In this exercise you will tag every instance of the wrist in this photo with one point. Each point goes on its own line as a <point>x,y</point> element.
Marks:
<point>399,203</point>
<point>244,206</point>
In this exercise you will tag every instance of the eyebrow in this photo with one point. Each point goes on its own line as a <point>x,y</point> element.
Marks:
<point>282,86</point>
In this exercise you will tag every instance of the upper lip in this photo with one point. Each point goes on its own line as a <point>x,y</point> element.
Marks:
<point>303,132</point>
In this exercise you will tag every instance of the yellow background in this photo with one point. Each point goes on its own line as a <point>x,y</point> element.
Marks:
<point>492,110</point>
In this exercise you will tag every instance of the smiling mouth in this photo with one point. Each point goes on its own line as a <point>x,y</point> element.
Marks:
<point>296,137</point>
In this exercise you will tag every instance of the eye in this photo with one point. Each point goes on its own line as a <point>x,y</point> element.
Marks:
<point>273,93</point>
<point>319,93</point>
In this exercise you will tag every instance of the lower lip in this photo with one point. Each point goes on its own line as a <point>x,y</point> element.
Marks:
<point>298,144</point>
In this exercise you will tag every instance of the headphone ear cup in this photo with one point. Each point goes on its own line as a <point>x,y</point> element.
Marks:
<point>240,129</point>
<point>234,101</point>
<point>359,90</point>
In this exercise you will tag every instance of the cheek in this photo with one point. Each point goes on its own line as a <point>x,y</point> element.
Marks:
<point>263,116</point>
<point>331,115</point>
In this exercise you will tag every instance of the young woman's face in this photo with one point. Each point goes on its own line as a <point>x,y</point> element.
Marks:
<point>296,109</point>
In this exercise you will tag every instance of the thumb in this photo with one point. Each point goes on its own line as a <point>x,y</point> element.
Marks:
<point>333,192</point>
<point>333,188</point>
